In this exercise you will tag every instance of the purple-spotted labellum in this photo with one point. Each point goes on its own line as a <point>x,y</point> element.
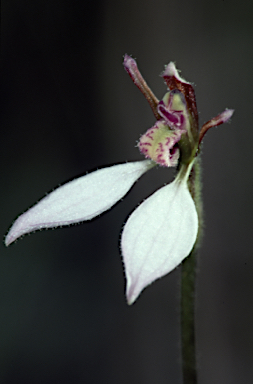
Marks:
<point>162,231</point>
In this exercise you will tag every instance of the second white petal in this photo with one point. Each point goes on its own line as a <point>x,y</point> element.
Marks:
<point>158,235</point>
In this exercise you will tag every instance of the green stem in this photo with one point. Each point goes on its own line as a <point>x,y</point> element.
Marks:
<point>187,320</point>
<point>188,274</point>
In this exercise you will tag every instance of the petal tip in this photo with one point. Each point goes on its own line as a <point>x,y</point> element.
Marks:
<point>129,63</point>
<point>171,71</point>
<point>130,300</point>
<point>227,114</point>
<point>8,240</point>
<point>131,294</point>
<point>22,226</point>
<point>16,230</point>
<point>127,57</point>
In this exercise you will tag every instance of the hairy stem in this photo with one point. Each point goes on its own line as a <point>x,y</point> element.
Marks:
<point>187,320</point>
<point>188,277</point>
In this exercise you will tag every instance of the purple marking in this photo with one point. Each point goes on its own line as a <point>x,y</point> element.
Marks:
<point>161,147</point>
<point>170,117</point>
<point>168,141</point>
<point>150,133</point>
<point>160,159</point>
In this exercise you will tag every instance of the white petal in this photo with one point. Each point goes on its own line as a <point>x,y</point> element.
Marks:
<point>158,235</point>
<point>81,199</point>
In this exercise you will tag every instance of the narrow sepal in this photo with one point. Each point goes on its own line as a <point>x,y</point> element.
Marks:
<point>131,67</point>
<point>158,235</point>
<point>81,199</point>
<point>215,121</point>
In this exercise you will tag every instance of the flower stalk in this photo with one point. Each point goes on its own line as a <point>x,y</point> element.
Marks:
<point>188,286</point>
<point>188,344</point>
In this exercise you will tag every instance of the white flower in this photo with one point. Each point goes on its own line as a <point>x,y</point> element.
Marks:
<point>162,231</point>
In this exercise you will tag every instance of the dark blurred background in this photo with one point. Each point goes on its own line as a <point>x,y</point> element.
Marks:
<point>67,107</point>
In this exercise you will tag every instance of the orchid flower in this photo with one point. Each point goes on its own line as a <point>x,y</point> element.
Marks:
<point>162,231</point>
